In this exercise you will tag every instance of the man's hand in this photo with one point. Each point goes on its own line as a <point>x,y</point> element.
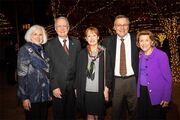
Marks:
<point>57,93</point>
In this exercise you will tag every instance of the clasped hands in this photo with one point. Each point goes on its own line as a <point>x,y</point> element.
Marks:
<point>164,104</point>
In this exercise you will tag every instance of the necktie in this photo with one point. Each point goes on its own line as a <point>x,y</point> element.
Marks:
<point>65,47</point>
<point>123,70</point>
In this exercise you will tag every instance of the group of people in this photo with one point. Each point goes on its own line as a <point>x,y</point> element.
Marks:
<point>77,79</point>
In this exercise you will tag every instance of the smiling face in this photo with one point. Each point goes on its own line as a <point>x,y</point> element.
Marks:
<point>121,26</point>
<point>145,43</point>
<point>92,38</point>
<point>37,36</point>
<point>62,27</point>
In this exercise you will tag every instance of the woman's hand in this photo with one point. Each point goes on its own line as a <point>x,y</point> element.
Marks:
<point>27,104</point>
<point>164,104</point>
<point>106,93</point>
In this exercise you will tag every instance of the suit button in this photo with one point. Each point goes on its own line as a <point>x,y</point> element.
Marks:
<point>146,66</point>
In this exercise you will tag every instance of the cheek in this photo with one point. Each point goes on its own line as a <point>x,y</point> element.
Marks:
<point>140,43</point>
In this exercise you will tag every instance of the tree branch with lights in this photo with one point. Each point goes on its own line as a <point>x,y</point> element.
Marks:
<point>169,26</point>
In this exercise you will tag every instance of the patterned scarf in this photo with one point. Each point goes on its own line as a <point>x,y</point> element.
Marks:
<point>93,56</point>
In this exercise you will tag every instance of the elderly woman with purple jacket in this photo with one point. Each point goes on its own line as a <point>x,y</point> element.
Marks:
<point>154,87</point>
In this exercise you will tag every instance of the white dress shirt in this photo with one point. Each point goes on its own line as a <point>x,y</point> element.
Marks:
<point>127,43</point>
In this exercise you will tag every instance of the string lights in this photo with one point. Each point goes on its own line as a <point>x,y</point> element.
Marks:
<point>5,26</point>
<point>169,26</point>
<point>56,5</point>
<point>166,25</point>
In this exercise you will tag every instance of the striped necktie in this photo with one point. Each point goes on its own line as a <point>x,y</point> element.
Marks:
<point>123,70</point>
<point>65,47</point>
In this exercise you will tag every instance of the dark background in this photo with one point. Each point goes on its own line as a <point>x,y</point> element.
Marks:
<point>143,14</point>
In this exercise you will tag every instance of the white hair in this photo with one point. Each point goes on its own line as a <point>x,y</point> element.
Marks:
<point>59,18</point>
<point>32,29</point>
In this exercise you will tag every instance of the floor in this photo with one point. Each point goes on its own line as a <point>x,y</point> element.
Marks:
<point>10,108</point>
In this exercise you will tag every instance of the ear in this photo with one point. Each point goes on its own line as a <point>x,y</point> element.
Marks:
<point>85,38</point>
<point>98,37</point>
<point>152,43</point>
<point>68,28</point>
<point>114,28</point>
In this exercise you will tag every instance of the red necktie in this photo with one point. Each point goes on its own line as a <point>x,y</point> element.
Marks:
<point>123,70</point>
<point>65,47</point>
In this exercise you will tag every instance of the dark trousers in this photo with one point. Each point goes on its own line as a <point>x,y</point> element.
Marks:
<point>64,108</point>
<point>38,111</point>
<point>124,92</point>
<point>146,111</point>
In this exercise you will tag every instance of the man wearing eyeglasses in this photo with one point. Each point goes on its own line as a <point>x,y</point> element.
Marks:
<point>124,58</point>
<point>63,51</point>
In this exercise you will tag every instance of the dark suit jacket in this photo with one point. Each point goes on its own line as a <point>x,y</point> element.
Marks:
<point>110,45</point>
<point>63,67</point>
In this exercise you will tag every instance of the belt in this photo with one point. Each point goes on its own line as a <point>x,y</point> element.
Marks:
<point>124,77</point>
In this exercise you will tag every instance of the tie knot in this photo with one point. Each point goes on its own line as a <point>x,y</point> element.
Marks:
<point>122,40</point>
<point>64,40</point>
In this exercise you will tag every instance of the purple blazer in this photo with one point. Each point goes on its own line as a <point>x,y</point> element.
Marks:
<point>159,79</point>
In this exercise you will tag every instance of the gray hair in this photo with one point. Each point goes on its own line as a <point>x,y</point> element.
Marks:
<point>62,17</point>
<point>32,29</point>
<point>121,16</point>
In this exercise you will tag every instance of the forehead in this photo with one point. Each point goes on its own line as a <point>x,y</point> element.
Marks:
<point>61,22</point>
<point>144,37</point>
<point>121,21</point>
<point>91,32</point>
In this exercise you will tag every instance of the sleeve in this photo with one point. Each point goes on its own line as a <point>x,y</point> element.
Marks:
<point>53,82</point>
<point>78,63</point>
<point>109,69</point>
<point>22,72</point>
<point>166,72</point>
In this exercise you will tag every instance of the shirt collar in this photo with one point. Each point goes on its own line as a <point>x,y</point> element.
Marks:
<point>119,38</point>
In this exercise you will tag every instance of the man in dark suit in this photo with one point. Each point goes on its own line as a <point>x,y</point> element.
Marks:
<point>63,51</point>
<point>124,84</point>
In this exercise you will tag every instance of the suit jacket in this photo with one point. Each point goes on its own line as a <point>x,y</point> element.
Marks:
<point>110,45</point>
<point>159,79</point>
<point>62,66</point>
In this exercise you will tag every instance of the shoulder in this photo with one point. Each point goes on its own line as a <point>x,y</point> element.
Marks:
<point>83,51</point>
<point>132,35</point>
<point>108,39</point>
<point>26,47</point>
<point>160,54</point>
<point>25,50</point>
<point>52,40</point>
<point>74,39</point>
